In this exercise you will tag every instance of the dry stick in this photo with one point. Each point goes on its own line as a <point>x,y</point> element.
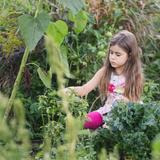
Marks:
<point>16,84</point>
<point>94,103</point>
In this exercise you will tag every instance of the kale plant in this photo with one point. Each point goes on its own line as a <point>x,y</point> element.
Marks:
<point>132,127</point>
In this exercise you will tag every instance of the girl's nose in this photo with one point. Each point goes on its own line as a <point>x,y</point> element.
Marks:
<point>112,56</point>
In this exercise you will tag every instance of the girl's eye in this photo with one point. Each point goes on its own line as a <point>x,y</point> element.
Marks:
<point>117,54</point>
<point>111,52</point>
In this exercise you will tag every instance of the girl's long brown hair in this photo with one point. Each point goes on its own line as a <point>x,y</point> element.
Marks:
<point>132,70</point>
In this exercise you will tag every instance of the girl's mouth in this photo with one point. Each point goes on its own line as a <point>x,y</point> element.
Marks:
<point>113,63</point>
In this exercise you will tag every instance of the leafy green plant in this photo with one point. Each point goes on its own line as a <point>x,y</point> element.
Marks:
<point>50,106</point>
<point>54,120</point>
<point>87,51</point>
<point>133,127</point>
<point>85,146</point>
<point>151,91</point>
<point>152,71</point>
<point>9,39</point>
<point>14,140</point>
<point>31,36</point>
<point>77,55</point>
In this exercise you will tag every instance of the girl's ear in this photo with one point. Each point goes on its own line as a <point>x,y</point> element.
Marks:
<point>129,54</point>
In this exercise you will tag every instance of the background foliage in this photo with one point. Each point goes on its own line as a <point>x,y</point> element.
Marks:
<point>81,48</point>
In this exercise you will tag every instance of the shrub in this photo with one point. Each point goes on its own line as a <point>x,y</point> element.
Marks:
<point>54,118</point>
<point>132,127</point>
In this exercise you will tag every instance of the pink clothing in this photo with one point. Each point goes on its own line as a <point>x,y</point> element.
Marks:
<point>115,92</point>
<point>94,120</point>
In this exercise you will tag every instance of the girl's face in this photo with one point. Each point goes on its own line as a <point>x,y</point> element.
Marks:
<point>117,57</point>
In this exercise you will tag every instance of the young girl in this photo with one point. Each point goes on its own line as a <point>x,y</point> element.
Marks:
<point>120,78</point>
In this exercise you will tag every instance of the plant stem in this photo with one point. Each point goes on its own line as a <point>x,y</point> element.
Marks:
<point>34,64</point>
<point>38,8</point>
<point>16,83</point>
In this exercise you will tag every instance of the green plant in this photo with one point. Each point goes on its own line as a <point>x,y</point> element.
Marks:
<point>151,91</point>
<point>9,39</point>
<point>53,116</point>
<point>85,147</point>
<point>14,139</point>
<point>132,128</point>
<point>39,23</point>
<point>87,50</point>
<point>153,70</point>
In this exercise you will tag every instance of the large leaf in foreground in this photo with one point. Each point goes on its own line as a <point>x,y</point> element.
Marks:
<point>32,28</point>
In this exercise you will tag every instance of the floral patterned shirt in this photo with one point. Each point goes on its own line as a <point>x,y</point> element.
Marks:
<point>115,92</point>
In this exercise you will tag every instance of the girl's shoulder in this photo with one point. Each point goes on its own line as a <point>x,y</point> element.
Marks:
<point>101,71</point>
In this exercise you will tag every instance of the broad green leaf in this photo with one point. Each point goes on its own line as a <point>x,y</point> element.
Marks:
<point>57,31</point>
<point>32,28</point>
<point>74,5</point>
<point>45,77</point>
<point>80,21</point>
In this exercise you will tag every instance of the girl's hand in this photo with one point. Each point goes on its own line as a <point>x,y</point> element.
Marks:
<point>69,90</point>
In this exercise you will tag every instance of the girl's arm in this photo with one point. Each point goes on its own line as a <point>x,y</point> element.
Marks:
<point>90,85</point>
